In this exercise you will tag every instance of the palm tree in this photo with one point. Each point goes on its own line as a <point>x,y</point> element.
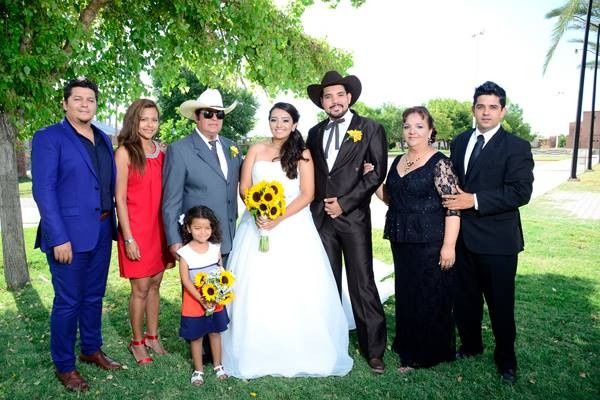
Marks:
<point>572,15</point>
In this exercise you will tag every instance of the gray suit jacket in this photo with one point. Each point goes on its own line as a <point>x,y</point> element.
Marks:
<point>192,177</point>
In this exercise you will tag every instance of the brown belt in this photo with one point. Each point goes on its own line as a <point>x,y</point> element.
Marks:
<point>104,215</point>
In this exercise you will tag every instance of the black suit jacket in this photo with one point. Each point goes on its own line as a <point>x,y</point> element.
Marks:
<point>502,178</point>
<point>346,180</point>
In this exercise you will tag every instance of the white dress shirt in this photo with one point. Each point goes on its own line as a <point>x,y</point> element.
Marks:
<point>220,152</point>
<point>471,144</point>
<point>343,127</point>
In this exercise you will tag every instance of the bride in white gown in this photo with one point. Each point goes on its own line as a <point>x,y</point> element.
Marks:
<point>287,318</point>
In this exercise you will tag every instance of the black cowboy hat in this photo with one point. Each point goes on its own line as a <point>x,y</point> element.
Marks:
<point>350,82</point>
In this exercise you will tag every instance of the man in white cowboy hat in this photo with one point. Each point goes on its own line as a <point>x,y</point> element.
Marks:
<point>340,145</point>
<point>202,169</point>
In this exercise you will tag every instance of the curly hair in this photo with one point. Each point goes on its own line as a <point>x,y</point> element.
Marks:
<point>202,212</point>
<point>292,148</point>
<point>424,113</point>
<point>129,135</point>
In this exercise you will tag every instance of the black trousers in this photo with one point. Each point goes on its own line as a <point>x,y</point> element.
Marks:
<point>492,277</point>
<point>357,250</point>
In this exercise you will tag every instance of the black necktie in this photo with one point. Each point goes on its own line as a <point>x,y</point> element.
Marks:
<point>476,151</point>
<point>213,148</point>
<point>334,129</point>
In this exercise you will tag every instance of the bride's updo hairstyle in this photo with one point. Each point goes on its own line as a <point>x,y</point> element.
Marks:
<point>292,148</point>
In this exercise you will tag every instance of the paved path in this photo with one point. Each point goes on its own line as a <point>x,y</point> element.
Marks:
<point>548,175</point>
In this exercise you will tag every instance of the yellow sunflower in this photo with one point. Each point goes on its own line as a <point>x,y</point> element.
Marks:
<point>249,200</point>
<point>227,298</point>
<point>269,196</point>
<point>209,291</point>
<point>277,188</point>
<point>200,279</point>
<point>275,211</point>
<point>226,278</point>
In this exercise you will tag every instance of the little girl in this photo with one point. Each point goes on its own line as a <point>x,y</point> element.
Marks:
<point>202,253</point>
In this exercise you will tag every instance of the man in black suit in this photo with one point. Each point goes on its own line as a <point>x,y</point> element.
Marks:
<point>495,169</point>
<point>339,146</point>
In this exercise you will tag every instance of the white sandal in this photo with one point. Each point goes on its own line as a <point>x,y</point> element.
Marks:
<point>197,378</point>
<point>220,372</point>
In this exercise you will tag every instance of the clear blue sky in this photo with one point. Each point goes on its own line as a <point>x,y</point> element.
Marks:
<point>409,52</point>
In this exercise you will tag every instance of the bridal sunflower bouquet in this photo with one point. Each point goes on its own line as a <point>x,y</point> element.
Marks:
<point>215,287</point>
<point>265,199</point>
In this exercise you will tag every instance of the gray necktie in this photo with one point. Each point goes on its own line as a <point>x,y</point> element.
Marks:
<point>334,129</point>
<point>476,151</point>
<point>213,148</point>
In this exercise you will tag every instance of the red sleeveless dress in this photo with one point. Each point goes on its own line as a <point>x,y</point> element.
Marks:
<point>144,198</point>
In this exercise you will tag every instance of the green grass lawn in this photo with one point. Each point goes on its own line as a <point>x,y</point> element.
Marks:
<point>24,187</point>
<point>558,327</point>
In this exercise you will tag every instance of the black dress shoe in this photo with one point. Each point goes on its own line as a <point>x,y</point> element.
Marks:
<point>377,365</point>
<point>509,376</point>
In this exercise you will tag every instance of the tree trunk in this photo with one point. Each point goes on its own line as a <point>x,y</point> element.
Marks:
<point>13,245</point>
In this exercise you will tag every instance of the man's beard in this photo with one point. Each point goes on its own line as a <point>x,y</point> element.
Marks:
<point>337,114</point>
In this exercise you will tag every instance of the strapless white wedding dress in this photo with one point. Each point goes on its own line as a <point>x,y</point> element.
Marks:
<point>287,318</point>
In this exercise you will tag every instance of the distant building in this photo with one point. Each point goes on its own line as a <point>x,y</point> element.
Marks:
<point>584,133</point>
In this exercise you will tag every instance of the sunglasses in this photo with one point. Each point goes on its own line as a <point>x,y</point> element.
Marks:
<point>209,114</point>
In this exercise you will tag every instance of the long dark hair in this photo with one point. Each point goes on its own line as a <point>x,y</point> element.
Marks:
<point>129,135</point>
<point>292,148</point>
<point>205,213</point>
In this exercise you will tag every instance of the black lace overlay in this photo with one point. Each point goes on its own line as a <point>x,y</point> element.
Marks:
<point>415,212</point>
<point>415,227</point>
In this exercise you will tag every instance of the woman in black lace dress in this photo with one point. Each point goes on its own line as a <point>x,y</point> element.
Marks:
<point>422,236</point>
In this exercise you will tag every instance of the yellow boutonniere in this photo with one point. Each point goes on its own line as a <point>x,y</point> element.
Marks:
<point>234,151</point>
<point>355,134</point>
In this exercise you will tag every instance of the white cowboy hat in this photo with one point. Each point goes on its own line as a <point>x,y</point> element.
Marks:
<point>210,98</point>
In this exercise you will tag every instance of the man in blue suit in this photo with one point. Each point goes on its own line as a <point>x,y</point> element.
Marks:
<point>73,173</point>
<point>495,169</point>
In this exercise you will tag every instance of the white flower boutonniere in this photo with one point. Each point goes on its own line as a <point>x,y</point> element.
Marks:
<point>355,134</point>
<point>234,151</point>
<point>181,218</point>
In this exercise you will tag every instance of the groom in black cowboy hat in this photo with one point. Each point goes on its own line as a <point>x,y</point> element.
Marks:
<point>340,145</point>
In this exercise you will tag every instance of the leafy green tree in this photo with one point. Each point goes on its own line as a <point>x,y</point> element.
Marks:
<point>451,118</point>
<point>45,42</point>
<point>388,115</point>
<point>174,126</point>
<point>513,122</point>
<point>571,16</point>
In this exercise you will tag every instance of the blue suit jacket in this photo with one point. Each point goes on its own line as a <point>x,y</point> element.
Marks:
<point>66,189</point>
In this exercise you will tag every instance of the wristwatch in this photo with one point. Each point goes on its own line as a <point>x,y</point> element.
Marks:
<point>128,241</point>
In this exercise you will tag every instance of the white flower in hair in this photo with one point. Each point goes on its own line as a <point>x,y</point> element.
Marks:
<point>181,218</point>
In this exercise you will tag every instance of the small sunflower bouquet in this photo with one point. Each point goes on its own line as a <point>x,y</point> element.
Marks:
<point>265,199</point>
<point>216,290</point>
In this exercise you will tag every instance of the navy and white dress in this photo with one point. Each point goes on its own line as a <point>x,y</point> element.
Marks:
<point>194,323</point>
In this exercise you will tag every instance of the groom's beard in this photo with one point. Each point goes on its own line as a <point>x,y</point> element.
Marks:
<point>335,114</point>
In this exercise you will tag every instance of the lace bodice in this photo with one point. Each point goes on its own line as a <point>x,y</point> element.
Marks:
<point>415,213</point>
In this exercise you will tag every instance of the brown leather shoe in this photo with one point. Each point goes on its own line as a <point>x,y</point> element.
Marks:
<point>100,359</point>
<point>377,365</point>
<point>73,381</point>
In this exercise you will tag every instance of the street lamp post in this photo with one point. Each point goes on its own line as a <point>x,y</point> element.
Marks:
<point>476,37</point>
<point>580,100</point>
<point>593,118</point>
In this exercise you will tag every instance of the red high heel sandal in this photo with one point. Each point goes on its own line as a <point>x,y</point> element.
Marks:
<point>142,361</point>
<point>160,350</point>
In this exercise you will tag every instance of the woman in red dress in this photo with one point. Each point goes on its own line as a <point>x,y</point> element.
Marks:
<point>143,252</point>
